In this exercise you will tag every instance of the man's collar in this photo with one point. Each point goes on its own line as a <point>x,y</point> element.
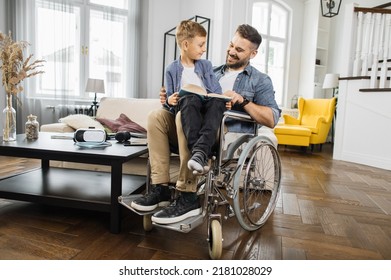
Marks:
<point>246,70</point>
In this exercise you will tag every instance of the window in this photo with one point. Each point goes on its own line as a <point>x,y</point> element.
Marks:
<point>81,39</point>
<point>272,20</point>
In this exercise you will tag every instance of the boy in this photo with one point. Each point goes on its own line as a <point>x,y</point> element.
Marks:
<point>200,118</point>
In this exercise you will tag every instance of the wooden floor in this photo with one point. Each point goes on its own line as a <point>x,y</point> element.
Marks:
<point>327,210</point>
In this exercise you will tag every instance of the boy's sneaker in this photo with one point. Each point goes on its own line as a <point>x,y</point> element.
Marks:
<point>179,210</point>
<point>158,196</point>
<point>198,163</point>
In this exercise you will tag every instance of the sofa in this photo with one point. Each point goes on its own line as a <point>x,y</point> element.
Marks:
<point>110,108</point>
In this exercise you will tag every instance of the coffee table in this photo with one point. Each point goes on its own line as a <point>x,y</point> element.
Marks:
<point>74,188</point>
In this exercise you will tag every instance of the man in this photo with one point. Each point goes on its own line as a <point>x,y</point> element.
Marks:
<point>251,91</point>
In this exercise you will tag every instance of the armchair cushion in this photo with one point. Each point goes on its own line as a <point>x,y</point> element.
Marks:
<point>288,119</point>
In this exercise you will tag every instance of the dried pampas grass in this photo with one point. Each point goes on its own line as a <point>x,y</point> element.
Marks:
<point>14,67</point>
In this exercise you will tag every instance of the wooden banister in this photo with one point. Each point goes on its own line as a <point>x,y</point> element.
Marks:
<point>372,10</point>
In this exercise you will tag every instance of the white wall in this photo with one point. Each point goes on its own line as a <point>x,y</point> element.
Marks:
<point>362,132</point>
<point>362,128</point>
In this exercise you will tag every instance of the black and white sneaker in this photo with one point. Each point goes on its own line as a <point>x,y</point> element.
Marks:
<point>179,210</point>
<point>159,196</point>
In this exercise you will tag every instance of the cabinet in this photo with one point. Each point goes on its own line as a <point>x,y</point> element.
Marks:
<point>315,44</point>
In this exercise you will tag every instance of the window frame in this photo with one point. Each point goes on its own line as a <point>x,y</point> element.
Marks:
<point>267,39</point>
<point>86,8</point>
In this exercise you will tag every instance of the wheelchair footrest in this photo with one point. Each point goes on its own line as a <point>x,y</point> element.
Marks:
<point>185,225</point>
<point>126,200</point>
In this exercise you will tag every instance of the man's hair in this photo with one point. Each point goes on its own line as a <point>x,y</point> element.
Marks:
<point>248,32</point>
<point>187,30</point>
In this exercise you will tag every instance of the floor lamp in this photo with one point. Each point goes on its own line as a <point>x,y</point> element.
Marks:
<point>331,81</point>
<point>96,86</point>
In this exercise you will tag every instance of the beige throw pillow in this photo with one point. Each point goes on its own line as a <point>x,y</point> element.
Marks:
<point>81,121</point>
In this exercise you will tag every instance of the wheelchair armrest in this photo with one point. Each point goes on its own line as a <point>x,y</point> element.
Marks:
<point>237,115</point>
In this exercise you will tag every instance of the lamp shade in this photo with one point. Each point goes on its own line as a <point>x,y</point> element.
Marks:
<point>331,81</point>
<point>95,85</point>
<point>330,8</point>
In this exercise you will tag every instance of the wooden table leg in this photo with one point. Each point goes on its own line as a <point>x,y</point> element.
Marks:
<point>116,191</point>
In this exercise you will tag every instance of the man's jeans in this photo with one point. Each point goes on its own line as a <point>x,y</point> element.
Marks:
<point>201,121</point>
<point>165,131</point>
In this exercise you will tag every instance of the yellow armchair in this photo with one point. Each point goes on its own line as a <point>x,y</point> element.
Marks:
<point>312,125</point>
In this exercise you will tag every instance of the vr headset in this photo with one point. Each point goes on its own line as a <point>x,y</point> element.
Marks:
<point>92,135</point>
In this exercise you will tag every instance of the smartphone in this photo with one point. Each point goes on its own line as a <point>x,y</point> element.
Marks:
<point>128,143</point>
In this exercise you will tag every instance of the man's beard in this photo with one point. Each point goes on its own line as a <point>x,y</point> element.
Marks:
<point>236,65</point>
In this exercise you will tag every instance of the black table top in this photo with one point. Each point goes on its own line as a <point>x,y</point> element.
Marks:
<point>65,149</point>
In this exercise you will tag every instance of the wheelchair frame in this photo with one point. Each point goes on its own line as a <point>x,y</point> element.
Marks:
<point>249,175</point>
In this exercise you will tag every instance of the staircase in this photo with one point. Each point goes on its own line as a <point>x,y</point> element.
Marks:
<point>372,47</point>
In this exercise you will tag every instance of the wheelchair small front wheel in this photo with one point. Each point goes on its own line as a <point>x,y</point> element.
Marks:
<point>215,240</point>
<point>147,222</point>
<point>256,183</point>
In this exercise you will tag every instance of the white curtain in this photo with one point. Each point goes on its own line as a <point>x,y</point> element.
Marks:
<point>19,25</point>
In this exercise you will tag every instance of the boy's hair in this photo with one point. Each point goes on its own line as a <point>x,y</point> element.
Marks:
<point>248,32</point>
<point>187,30</point>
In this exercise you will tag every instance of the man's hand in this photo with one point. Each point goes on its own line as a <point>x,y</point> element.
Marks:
<point>236,97</point>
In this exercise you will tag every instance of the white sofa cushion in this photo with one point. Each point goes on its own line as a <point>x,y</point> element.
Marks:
<point>56,127</point>
<point>81,121</point>
<point>137,109</point>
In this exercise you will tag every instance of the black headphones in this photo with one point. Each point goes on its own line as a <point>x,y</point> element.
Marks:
<point>122,136</point>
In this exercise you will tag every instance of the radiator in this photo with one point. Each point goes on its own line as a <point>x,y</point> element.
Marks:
<point>62,110</point>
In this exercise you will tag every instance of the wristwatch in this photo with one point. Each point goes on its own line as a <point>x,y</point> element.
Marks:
<point>245,102</point>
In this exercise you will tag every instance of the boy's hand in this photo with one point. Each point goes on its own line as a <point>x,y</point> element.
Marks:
<point>163,95</point>
<point>173,99</point>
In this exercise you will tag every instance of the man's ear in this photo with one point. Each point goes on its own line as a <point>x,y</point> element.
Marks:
<point>253,54</point>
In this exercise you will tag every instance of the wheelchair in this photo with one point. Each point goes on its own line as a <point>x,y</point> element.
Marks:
<point>243,182</point>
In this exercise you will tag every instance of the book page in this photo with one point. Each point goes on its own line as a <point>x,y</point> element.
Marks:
<point>194,89</point>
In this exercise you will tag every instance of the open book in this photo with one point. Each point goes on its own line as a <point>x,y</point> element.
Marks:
<point>194,89</point>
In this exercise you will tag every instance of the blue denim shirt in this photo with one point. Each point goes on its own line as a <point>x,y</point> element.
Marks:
<point>257,87</point>
<point>204,70</point>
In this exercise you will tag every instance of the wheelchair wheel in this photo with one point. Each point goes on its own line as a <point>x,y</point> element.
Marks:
<point>215,240</point>
<point>256,183</point>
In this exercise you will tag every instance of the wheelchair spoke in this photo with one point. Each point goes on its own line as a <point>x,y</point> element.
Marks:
<point>257,184</point>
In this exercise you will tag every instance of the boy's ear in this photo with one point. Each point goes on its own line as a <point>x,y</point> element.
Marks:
<point>185,44</point>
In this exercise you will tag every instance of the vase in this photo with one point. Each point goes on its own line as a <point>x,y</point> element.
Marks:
<point>9,121</point>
